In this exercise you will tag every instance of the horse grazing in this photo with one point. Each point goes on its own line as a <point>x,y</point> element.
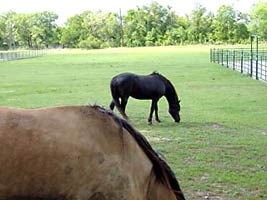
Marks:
<point>152,86</point>
<point>78,153</point>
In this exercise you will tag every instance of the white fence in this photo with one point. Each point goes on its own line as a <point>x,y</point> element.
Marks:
<point>20,54</point>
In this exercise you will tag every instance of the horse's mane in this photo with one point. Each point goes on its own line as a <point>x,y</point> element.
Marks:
<point>167,83</point>
<point>162,170</point>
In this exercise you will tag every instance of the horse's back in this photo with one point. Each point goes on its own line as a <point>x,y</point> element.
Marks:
<point>73,152</point>
<point>149,87</point>
<point>138,86</point>
<point>123,83</point>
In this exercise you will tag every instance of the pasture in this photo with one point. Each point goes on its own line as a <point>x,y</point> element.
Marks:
<point>218,151</point>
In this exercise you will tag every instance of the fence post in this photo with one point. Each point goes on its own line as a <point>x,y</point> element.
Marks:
<point>257,57</point>
<point>214,55</point>
<point>265,71</point>
<point>210,55</point>
<point>233,59</point>
<point>251,56</point>
<point>242,59</point>
<point>261,73</point>
<point>222,57</point>
<point>227,58</point>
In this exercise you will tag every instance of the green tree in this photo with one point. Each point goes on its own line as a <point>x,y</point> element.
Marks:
<point>258,23</point>
<point>230,25</point>
<point>23,24</point>
<point>2,31</point>
<point>134,28</point>
<point>44,28</point>
<point>92,30</point>
<point>103,26</point>
<point>200,25</point>
<point>175,36</point>
<point>7,30</point>
<point>241,33</point>
<point>148,25</point>
<point>225,23</point>
<point>72,33</point>
<point>28,30</point>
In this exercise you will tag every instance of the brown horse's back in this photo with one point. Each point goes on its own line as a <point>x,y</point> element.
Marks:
<point>72,152</point>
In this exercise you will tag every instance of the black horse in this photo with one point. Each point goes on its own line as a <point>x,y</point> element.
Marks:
<point>152,86</point>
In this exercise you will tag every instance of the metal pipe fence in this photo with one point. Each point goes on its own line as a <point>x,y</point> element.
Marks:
<point>252,63</point>
<point>20,54</point>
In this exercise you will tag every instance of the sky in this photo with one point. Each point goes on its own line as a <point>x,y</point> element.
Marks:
<point>67,8</point>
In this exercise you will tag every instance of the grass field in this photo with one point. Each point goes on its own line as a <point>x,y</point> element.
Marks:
<point>218,151</point>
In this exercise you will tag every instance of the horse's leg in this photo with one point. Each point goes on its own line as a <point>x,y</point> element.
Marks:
<point>112,105</point>
<point>124,101</point>
<point>152,108</point>
<point>156,113</point>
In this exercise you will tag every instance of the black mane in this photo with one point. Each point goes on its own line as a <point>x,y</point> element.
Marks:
<point>171,90</point>
<point>162,170</point>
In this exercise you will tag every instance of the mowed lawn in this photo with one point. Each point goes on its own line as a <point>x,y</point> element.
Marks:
<point>218,151</point>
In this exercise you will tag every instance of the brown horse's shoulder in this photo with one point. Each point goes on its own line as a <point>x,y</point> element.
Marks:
<point>59,150</point>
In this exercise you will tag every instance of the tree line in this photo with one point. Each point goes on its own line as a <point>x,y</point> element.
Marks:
<point>149,25</point>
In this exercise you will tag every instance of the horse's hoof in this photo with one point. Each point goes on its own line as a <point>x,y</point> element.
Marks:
<point>157,120</point>
<point>125,117</point>
<point>149,123</point>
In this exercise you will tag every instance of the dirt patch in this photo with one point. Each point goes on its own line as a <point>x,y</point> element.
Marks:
<point>209,195</point>
<point>216,126</point>
<point>158,139</point>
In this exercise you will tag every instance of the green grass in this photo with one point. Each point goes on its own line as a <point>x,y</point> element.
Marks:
<point>218,151</point>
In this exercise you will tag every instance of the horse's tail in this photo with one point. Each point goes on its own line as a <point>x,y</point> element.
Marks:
<point>115,99</point>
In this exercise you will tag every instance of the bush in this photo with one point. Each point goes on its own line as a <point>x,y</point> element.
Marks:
<point>90,43</point>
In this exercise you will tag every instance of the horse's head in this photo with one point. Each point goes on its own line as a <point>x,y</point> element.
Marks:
<point>174,111</point>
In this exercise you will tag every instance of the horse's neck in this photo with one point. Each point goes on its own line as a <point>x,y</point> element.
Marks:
<point>170,94</point>
<point>158,191</point>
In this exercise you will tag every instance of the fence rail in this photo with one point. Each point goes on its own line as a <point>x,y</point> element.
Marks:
<point>21,54</point>
<point>246,61</point>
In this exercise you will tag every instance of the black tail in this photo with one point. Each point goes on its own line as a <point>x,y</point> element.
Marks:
<point>115,100</point>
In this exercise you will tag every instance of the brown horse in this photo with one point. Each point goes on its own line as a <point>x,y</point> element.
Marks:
<point>78,153</point>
